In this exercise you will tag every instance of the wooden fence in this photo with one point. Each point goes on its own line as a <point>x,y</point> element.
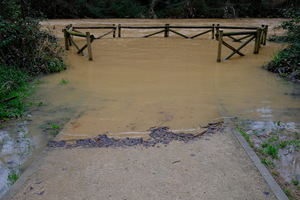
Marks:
<point>259,34</point>
<point>167,28</point>
<point>72,31</point>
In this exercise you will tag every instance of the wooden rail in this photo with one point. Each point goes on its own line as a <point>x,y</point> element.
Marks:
<point>259,34</point>
<point>70,32</point>
<point>167,28</point>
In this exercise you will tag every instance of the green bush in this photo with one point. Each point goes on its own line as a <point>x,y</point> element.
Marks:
<point>287,61</point>
<point>13,89</point>
<point>25,52</point>
<point>23,44</point>
<point>161,8</point>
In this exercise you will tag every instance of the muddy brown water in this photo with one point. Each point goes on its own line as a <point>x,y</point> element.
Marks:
<point>135,83</point>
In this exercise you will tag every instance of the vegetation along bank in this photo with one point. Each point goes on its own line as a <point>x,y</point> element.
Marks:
<point>26,52</point>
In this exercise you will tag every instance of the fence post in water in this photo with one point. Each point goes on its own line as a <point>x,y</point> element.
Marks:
<point>66,39</point>
<point>257,41</point>
<point>119,30</point>
<point>114,32</point>
<point>262,37</point>
<point>266,34</point>
<point>69,36</point>
<point>217,31</point>
<point>213,31</point>
<point>220,38</point>
<point>89,47</point>
<point>167,30</point>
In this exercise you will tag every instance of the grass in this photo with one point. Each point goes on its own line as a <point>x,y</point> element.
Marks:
<point>14,88</point>
<point>268,163</point>
<point>13,177</point>
<point>63,82</point>
<point>52,127</point>
<point>294,143</point>
<point>246,136</point>
<point>271,151</point>
<point>295,182</point>
<point>268,147</point>
<point>288,194</point>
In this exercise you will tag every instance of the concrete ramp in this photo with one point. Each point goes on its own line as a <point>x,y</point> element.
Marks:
<point>213,167</point>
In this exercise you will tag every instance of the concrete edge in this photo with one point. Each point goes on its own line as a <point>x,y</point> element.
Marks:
<point>31,169</point>
<point>276,189</point>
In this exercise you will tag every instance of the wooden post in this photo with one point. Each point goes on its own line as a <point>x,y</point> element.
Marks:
<point>69,36</point>
<point>220,38</point>
<point>66,36</point>
<point>167,30</point>
<point>213,31</point>
<point>114,32</point>
<point>266,34</point>
<point>217,31</point>
<point>89,47</point>
<point>119,30</point>
<point>262,37</point>
<point>257,41</point>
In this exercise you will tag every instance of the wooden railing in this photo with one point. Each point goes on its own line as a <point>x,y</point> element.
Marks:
<point>259,34</point>
<point>167,28</point>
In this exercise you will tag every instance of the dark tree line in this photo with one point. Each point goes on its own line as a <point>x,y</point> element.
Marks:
<point>156,8</point>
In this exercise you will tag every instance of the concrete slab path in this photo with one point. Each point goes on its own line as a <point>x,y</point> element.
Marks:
<point>213,167</point>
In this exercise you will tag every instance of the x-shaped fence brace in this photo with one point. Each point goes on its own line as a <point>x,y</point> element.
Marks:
<point>71,31</point>
<point>259,35</point>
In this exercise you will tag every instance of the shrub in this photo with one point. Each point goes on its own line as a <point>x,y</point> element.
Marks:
<point>287,61</point>
<point>25,52</point>
<point>23,44</point>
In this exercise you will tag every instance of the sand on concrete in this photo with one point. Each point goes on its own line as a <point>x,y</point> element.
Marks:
<point>213,167</point>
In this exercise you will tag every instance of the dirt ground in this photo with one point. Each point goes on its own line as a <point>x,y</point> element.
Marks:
<point>214,167</point>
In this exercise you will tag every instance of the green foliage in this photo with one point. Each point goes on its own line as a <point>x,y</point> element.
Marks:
<point>246,136</point>
<point>288,194</point>
<point>154,8</point>
<point>292,26</point>
<point>25,51</point>
<point>13,177</point>
<point>14,86</point>
<point>271,150</point>
<point>23,44</point>
<point>53,128</point>
<point>286,143</point>
<point>287,61</point>
<point>63,82</point>
<point>268,163</point>
<point>295,182</point>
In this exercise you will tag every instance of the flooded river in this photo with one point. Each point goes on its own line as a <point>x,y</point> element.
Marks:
<point>134,84</point>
